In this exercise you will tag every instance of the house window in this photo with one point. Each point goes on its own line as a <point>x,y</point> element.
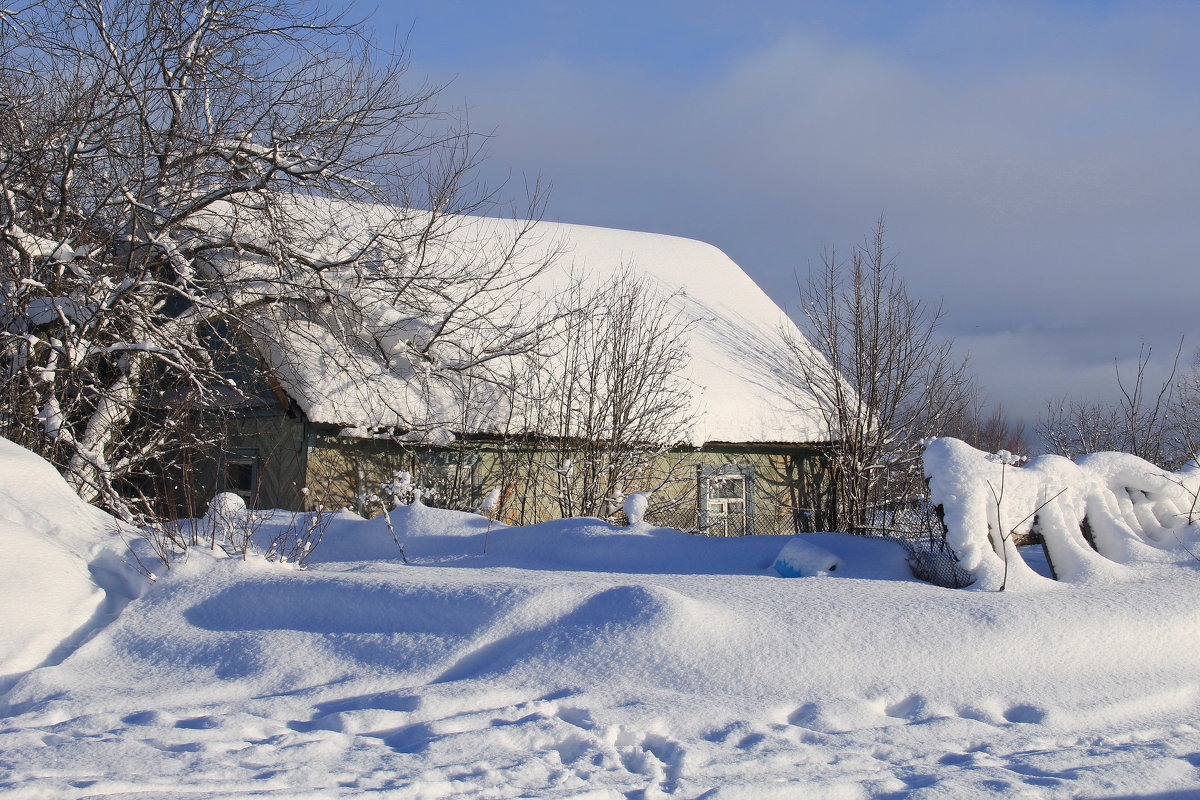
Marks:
<point>240,473</point>
<point>450,479</point>
<point>726,500</point>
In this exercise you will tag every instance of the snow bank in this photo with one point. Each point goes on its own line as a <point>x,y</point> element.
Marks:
<point>520,673</point>
<point>55,565</point>
<point>1094,515</point>
<point>436,537</point>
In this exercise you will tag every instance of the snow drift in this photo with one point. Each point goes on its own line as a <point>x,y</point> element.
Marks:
<point>53,547</point>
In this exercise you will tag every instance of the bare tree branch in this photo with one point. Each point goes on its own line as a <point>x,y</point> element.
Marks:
<point>882,377</point>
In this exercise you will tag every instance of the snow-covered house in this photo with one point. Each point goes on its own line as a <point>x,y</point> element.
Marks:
<point>346,411</point>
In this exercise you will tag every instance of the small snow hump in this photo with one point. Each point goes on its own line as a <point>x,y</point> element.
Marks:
<point>225,506</point>
<point>636,505</point>
<point>801,559</point>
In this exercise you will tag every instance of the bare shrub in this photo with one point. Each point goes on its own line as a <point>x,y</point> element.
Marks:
<point>1151,420</point>
<point>610,398</point>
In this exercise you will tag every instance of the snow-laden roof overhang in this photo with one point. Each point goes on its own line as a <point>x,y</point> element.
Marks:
<point>740,368</point>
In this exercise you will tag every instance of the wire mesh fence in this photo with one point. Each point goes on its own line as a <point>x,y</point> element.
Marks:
<point>915,524</point>
<point>918,527</point>
<point>771,522</point>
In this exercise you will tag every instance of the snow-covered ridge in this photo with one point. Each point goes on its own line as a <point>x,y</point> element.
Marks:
<point>1096,514</point>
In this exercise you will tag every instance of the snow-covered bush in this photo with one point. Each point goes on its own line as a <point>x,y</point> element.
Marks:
<point>229,524</point>
<point>399,490</point>
<point>294,542</point>
<point>1092,514</point>
<point>229,527</point>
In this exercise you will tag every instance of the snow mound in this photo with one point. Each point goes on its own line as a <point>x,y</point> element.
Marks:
<point>52,553</point>
<point>1095,515</point>
<point>800,558</point>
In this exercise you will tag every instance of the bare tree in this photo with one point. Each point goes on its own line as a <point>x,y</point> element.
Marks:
<point>883,379</point>
<point>1072,428</point>
<point>986,428</point>
<point>1186,410</point>
<point>1146,412</point>
<point>1149,421</point>
<point>168,170</point>
<point>611,397</point>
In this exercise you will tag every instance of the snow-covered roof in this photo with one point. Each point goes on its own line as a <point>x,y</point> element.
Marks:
<point>742,387</point>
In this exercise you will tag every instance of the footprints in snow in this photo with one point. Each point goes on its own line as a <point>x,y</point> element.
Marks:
<point>841,716</point>
<point>572,747</point>
<point>1025,714</point>
<point>653,756</point>
<point>568,734</point>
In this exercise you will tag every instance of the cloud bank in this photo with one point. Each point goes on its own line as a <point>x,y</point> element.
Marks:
<point>1037,167</point>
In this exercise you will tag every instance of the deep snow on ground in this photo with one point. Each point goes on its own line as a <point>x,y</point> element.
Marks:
<point>575,659</point>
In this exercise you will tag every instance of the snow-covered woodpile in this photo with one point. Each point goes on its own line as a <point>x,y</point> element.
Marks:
<point>1094,514</point>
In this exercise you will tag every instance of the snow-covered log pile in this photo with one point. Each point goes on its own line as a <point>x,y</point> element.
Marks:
<point>1094,514</point>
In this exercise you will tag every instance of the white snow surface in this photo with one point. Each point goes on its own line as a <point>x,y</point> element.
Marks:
<point>575,659</point>
<point>738,368</point>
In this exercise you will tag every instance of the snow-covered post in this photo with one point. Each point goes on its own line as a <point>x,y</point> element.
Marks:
<point>489,508</point>
<point>635,506</point>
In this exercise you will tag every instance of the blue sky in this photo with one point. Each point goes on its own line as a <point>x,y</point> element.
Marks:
<point>1038,163</point>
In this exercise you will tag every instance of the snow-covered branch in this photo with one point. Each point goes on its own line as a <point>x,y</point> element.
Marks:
<point>171,178</point>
